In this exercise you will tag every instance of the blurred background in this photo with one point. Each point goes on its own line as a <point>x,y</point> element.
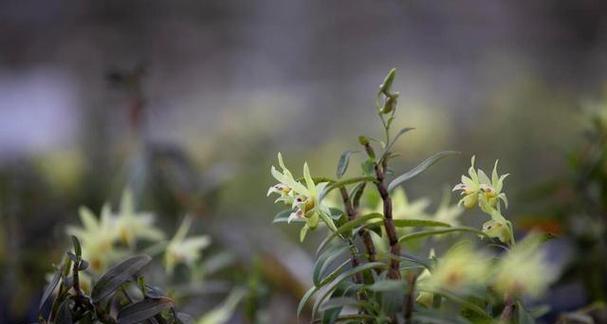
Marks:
<point>188,102</point>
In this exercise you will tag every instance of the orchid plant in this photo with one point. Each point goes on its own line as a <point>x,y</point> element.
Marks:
<point>369,268</point>
<point>101,281</point>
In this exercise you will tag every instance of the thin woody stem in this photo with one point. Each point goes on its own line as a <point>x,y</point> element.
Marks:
<point>351,216</point>
<point>394,272</point>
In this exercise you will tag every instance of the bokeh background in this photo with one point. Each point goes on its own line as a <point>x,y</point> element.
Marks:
<point>187,103</point>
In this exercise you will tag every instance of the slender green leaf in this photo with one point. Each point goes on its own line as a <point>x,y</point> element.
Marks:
<point>417,235</point>
<point>334,274</point>
<point>324,260</point>
<point>52,285</point>
<point>464,303</point>
<point>330,316</point>
<point>345,182</point>
<point>77,247</point>
<point>346,228</point>
<point>117,275</point>
<point>304,300</point>
<point>419,169</point>
<point>338,302</point>
<point>143,310</point>
<point>342,277</point>
<point>342,165</point>
<point>387,285</point>
<point>419,223</point>
<point>399,134</point>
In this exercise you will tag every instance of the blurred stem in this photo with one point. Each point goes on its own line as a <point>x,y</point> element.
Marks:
<point>506,316</point>
<point>410,297</point>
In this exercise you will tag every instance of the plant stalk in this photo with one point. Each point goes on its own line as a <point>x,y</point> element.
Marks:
<point>394,272</point>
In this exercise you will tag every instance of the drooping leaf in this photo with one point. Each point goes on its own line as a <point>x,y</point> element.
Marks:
<point>417,235</point>
<point>344,161</point>
<point>117,275</point>
<point>419,169</point>
<point>143,310</point>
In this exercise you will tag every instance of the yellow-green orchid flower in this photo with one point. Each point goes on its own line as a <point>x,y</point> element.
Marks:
<point>498,227</point>
<point>303,199</point>
<point>446,212</point>
<point>184,250</point>
<point>403,209</point>
<point>524,270</point>
<point>132,225</point>
<point>458,270</point>
<point>478,187</point>
<point>97,237</point>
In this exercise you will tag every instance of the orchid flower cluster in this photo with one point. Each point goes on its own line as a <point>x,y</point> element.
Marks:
<point>479,190</point>
<point>113,236</point>
<point>119,240</point>
<point>369,269</point>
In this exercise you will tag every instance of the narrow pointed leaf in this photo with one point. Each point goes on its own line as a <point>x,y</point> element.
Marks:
<point>77,247</point>
<point>344,275</point>
<point>117,275</point>
<point>51,287</point>
<point>399,134</point>
<point>419,223</point>
<point>417,235</point>
<point>304,300</point>
<point>344,161</point>
<point>419,169</point>
<point>143,310</point>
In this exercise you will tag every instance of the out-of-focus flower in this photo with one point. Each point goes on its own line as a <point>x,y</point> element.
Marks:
<point>446,212</point>
<point>222,313</point>
<point>184,250</point>
<point>524,270</point>
<point>459,269</point>
<point>403,209</point>
<point>97,237</point>
<point>132,225</point>
<point>303,199</point>
<point>478,187</point>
